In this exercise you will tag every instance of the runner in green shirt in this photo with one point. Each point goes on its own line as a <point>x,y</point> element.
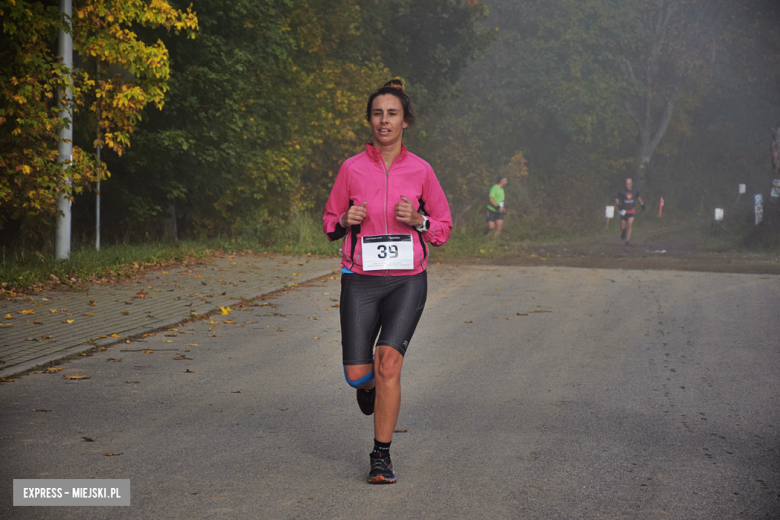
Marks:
<point>495,208</point>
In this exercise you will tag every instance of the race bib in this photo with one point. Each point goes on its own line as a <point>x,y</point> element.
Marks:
<point>382,252</point>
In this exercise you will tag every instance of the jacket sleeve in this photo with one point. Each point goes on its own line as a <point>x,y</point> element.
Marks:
<point>337,205</point>
<point>438,211</point>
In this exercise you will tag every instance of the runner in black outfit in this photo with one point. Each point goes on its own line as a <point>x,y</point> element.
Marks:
<point>626,201</point>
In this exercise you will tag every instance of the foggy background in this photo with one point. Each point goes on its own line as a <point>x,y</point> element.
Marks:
<point>566,99</point>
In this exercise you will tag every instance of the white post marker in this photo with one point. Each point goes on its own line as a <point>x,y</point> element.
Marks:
<point>718,213</point>
<point>759,207</point>
<point>610,211</point>
<point>742,189</point>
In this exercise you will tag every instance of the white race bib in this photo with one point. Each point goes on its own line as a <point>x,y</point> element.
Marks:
<point>383,252</point>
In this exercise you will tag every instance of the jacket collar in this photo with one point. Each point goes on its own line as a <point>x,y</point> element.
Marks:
<point>373,153</point>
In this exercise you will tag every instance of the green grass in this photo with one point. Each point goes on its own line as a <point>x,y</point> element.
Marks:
<point>22,269</point>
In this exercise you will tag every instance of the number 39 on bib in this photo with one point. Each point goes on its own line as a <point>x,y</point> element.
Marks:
<point>384,252</point>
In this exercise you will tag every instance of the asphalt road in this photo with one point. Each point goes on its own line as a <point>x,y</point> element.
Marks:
<point>533,393</point>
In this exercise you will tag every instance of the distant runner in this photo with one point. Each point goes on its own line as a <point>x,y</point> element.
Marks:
<point>626,201</point>
<point>495,207</point>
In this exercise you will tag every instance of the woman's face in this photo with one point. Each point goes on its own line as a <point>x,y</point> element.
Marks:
<point>387,120</point>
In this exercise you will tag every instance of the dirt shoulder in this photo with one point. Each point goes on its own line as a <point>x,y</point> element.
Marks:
<point>668,249</point>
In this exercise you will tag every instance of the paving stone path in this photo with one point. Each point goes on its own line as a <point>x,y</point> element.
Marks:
<point>51,325</point>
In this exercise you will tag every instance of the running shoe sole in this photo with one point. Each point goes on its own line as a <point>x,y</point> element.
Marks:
<point>381,472</point>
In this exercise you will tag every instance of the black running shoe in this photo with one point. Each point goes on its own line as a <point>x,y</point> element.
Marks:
<point>381,471</point>
<point>623,234</point>
<point>366,400</point>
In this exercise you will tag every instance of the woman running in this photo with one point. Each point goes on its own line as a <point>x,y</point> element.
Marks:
<point>386,203</point>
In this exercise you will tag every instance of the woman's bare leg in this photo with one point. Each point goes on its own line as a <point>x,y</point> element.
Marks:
<point>387,372</point>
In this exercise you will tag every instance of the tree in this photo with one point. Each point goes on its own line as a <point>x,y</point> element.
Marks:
<point>263,104</point>
<point>132,75</point>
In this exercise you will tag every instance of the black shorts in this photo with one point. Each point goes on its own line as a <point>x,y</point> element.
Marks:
<point>387,307</point>
<point>492,216</point>
<point>628,216</point>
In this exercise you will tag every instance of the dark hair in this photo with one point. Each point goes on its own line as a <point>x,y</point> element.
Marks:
<point>500,179</point>
<point>394,87</point>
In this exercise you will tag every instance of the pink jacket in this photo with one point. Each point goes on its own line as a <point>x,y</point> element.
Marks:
<point>364,178</point>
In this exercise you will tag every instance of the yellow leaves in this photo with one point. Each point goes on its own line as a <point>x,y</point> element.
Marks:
<point>9,317</point>
<point>225,310</point>
<point>27,312</point>
<point>75,376</point>
<point>69,322</point>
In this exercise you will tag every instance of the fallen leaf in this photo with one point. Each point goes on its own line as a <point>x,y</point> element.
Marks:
<point>312,318</point>
<point>133,382</point>
<point>125,313</point>
<point>188,371</point>
<point>75,376</point>
<point>9,317</point>
<point>225,310</point>
<point>111,454</point>
<point>400,431</point>
<point>115,360</point>
<point>468,322</point>
<point>5,380</point>
<point>88,314</point>
<point>40,410</point>
<point>88,439</point>
<point>148,351</point>
<point>93,303</point>
<point>179,357</point>
<point>328,309</point>
<point>445,296</point>
<point>522,314</point>
<point>198,276</point>
<point>115,336</point>
<point>27,312</point>
<point>53,311</point>
<point>316,337</point>
<point>68,321</point>
<point>54,369</point>
<point>230,321</point>
<point>194,344</point>
<point>36,322</point>
<point>236,392</point>
<point>326,294</point>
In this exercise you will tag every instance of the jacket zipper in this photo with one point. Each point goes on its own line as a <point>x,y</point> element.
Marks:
<point>387,182</point>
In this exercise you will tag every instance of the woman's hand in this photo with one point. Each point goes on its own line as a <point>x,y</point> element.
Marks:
<point>354,216</point>
<point>404,212</point>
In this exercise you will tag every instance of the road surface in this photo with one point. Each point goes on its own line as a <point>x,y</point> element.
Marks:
<point>528,392</point>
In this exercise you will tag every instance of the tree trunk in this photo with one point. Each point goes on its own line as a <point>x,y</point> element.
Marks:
<point>169,224</point>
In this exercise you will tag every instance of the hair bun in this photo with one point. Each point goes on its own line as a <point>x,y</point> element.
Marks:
<point>395,83</point>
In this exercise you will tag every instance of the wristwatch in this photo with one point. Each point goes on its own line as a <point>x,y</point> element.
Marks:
<point>425,226</point>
